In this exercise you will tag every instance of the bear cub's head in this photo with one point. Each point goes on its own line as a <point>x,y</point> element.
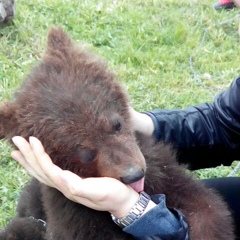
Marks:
<point>73,104</point>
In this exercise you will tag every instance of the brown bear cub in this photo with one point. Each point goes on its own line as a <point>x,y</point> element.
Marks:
<point>74,105</point>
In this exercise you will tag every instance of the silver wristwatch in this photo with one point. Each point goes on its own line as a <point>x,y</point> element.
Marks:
<point>135,213</point>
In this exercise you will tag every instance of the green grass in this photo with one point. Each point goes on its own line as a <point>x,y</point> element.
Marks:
<point>147,43</point>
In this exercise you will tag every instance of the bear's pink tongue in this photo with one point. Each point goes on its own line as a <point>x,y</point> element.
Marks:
<point>138,186</point>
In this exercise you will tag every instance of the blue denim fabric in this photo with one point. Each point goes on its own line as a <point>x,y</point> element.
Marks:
<point>159,223</point>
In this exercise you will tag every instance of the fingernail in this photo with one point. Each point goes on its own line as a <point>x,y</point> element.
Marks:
<point>33,141</point>
<point>14,139</point>
<point>30,139</point>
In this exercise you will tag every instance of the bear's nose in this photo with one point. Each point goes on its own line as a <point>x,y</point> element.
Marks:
<point>132,175</point>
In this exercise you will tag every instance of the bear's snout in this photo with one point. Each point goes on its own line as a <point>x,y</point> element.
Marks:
<point>134,177</point>
<point>133,174</point>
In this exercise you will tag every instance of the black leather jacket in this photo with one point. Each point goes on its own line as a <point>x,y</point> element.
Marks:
<point>205,135</point>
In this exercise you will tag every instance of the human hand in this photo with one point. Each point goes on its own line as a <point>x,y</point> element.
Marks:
<point>141,122</point>
<point>103,194</point>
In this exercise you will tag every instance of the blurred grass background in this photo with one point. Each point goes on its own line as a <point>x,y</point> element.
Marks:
<point>147,43</point>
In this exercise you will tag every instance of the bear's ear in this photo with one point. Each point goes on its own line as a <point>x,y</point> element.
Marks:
<point>58,39</point>
<point>7,119</point>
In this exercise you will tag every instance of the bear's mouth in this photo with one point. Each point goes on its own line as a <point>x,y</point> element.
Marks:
<point>138,186</point>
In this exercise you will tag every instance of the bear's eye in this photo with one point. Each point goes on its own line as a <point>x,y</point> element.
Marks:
<point>117,126</point>
<point>87,155</point>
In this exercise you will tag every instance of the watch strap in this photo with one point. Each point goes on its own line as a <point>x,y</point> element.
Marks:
<point>135,212</point>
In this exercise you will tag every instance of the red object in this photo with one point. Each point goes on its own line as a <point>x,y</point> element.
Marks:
<point>224,4</point>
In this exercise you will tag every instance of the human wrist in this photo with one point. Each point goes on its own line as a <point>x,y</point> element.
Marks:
<point>150,206</point>
<point>126,203</point>
<point>141,206</point>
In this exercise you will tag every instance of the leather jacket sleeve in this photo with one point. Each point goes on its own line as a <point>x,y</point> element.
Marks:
<point>205,135</point>
<point>160,223</point>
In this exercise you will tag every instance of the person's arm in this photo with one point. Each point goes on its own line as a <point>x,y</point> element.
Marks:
<point>205,135</point>
<point>159,223</point>
<point>102,194</point>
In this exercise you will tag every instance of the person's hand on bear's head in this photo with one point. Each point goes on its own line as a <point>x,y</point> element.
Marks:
<point>141,122</point>
<point>103,194</point>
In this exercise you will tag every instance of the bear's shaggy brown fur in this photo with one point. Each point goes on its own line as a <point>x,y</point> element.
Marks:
<point>72,103</point>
